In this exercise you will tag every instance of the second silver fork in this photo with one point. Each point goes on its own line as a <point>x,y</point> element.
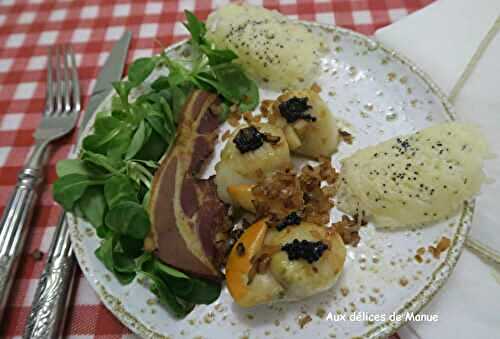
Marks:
<point>62,107</point>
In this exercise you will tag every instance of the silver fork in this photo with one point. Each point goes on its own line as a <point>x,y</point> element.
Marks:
<point>62,107</point>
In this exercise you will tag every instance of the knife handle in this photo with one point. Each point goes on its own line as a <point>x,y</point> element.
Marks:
<point>53,293</point>
<point>14,226</point>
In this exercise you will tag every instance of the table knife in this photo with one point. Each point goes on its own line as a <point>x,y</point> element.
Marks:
<point>53,293</point>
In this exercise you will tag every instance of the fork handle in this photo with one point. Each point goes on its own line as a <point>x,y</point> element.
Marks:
<point>13,228</point>
<point>53,293</point>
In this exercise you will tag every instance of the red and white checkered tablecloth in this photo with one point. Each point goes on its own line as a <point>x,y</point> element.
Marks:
<point>28,27</point>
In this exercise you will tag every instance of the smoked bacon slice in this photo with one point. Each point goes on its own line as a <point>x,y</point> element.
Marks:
<point>188,218</point>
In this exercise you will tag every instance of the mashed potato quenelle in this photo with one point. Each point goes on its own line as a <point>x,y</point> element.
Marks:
<point>273,49</point>
<point>415,179</point>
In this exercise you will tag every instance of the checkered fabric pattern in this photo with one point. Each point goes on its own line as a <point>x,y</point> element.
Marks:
<point>27,28</point>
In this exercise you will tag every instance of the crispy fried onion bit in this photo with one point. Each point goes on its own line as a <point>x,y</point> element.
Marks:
<point>348,229</point>
<point>307,196</point>
<point>308,193</point>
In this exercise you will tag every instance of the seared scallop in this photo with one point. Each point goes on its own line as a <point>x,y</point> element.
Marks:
<point>308,124</point>
<point>247,286</point>
<point>269,265</point>
<point>251,153</point>
<point>318,271</point>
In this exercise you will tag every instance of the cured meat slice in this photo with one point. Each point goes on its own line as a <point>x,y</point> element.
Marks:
<point>188,219</point>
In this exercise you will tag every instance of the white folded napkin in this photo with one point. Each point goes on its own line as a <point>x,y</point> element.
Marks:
<point>441,39</point>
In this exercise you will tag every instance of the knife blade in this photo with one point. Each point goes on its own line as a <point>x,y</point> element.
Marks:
<point>111,71</point>
<point>53,292</point>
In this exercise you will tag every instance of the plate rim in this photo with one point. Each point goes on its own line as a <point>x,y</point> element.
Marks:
<point>382,330</point>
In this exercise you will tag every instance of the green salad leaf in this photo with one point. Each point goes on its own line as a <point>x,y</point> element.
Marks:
<point>119,188</point>
<point>109,184</point>
<point>128,218</point>
<point>72,166</point>
<point>195,27</point>
<point>140,70</point>
<point>218,56</point>
<point>93,205</point>
<point>70,188</point>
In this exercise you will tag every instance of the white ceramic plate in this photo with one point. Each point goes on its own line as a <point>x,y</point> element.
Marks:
<point>379,95</point>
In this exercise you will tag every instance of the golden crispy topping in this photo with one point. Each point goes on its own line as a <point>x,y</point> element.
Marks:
<point>316,88</point>
<point>226,135</point>
<point>346,136</point>
<point>266,107</point>
<point>348,229</point>
<point>304,320</point>
<point>233,119</point>
<point>286,192</point>
<point>317,200</point>
<point>442,246</point>
<point>278,195</point>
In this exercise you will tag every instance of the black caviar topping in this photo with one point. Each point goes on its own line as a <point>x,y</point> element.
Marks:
<point>310,251</point>
<point>291,219</point>
<point>295,109</point>
<point>248,139</point>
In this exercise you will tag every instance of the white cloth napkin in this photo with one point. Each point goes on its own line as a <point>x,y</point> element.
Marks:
<point>441,39</point>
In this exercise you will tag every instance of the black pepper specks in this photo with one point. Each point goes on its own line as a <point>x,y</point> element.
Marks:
<point>310,251</point>
<point>295,109</point>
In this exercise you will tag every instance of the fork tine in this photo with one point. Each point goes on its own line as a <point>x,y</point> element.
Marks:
<point>75,85</point>
<point>58,72</point>
<point>66,82</point>
<point>49,95</point>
